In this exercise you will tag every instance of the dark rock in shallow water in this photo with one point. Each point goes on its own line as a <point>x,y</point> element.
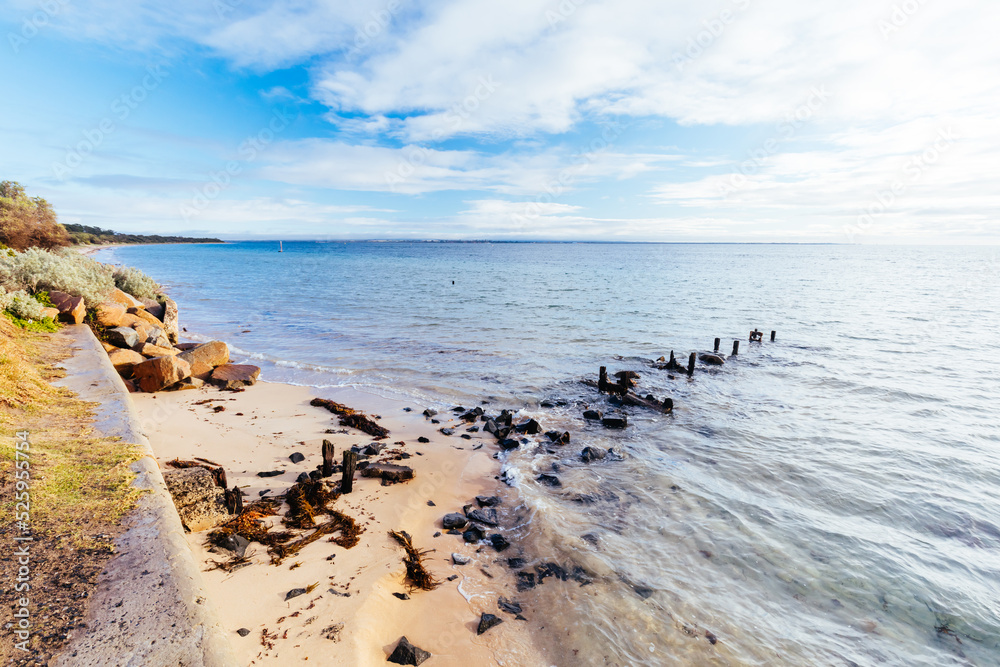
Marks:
<point>459,559</point>
<point>593,454</point>
<point>454,520</point>
<point>509,606</point>
<point>488,501</point>
<point>407,409</point>
<point>525,581</point>
<point>243,632</point>
<point>515,563</point>
<point>546,404</point>
<point>558,438</point>
<point>435,421</point>
<point>448,431</point>
<point>454,531</point>
<point>431,503</point>
<point>551,480</point>
<point>551,570</point>
<point>271,473</point>
<point>643,591</point>
<point>529,426</point>
<point>509,443</point>
<point>487,621</point>
<point>406,653</point>
<point>469,417</point>
<point>294,593</point>
<point>423,439</point>
<point>592,415</point>
<point>473,534</point>
<point>465,436</point>
<point>711,359</point>
<point>615,422</point>
<point>490,427</point>
<point>472,429</point>
<point>458,408</point>
<point>486,515</point>
<point>499,542</point>
<point>430,413</point>
<point>297,457</point>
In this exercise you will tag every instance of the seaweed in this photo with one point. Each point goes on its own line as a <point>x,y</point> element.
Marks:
<point>417,575</point>
<point>352,418</point>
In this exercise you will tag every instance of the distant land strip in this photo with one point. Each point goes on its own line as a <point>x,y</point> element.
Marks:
<point>86,235</point>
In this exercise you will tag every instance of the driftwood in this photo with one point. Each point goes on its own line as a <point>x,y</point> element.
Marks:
<point>627,379</point>
<point>353,418</point>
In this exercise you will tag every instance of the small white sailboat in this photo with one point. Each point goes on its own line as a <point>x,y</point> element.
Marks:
<point>280,247</point>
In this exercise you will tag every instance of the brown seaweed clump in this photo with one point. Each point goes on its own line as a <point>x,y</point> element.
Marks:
<point>352,418</point>
<point>417,575</point>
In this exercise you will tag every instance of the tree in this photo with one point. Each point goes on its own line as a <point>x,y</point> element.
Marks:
<point>28,222</point>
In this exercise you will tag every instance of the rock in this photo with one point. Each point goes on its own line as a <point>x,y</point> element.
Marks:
<point>525,581</point>
<point>294,593</point>
<point>406,653</point>
<point>487,621</point>
<point>297,457</point>
<point>303,477</point>
<point>423,439</point>
<point>490,427</point>
<point>186,383</point>
<point>233,542</point>
<point>509,606</point>
<point>131,386</point>
<point>453,520</point>
<point>140,326</point>
<point>122,337</point>
<point>158,338</point>
<point>156,374</point>
<point>109,314</point>
<point>530,427</point>
<point>149,350</point>
<point>170,322</point>
<point>124,361</point>
<point>153,307</point>
<point>145,316</point>
<point>515,563</point>
<point>465,436</point>
<point>509,443</point>
<point>615,422</point>
<point>558,438</point>
<point>123,299</point>
<point>429,413</point>
<point>486,515</point>
<point>389,472</point>
<point>206,357</point>
<point>184,347</point>
<point>447,431</point>
<point>200,503</point>
<point>551,480</point>
<point>473,534</point>
<point>72,309</point>
<point>711,359</point>
<point>243,632</point>
<point>488,501</point>
<point>230,376</point>
<point>108,347</point>
<point>593,454</point>
<point>271,473</point>
<point>401,596</point>
<point>593,415</point>
<point>459,559</point>
<point>499,542</point>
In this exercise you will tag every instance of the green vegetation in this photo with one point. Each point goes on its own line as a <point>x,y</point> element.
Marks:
<point>86,235</point>
<point>28,222</point>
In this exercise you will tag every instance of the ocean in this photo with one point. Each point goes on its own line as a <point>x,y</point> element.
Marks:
<point>829,498</point>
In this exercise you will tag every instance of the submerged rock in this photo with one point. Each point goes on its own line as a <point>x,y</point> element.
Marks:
<point>488,501</point>
<point>454,520</point>
<point>499,542</point>
<point>593,454</point>
<point>615,422</point>
<point>486,515</point>
<point>592,415</point>
<point>530,427</point>
<point>406,653</point>
<point>473,534</point>
<point>711,359</point>
<point>486,622</point>
<point>551,480</point>
<point>509,606</point>
<point>459,559</point>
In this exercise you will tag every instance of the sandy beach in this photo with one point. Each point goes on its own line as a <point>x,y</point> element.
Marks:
<point>352,616</point>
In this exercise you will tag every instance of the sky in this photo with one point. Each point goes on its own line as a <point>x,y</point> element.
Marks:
<point>856,121</point>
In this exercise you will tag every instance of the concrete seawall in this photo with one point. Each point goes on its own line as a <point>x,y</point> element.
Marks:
<point>150,607</point>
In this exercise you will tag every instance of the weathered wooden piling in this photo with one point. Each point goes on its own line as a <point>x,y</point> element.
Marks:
<point>773,334</point>
<point>602,379</point>
<point>717,342</point>
<point>691,364</point>
<point>327,458</point>
<point>350,463</point>
<point>736,347</point>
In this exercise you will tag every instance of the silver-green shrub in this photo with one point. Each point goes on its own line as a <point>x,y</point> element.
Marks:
<point>21,304</point>
<point>135,282</point>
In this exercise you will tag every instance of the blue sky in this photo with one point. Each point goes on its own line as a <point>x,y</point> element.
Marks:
<point>633,120</point>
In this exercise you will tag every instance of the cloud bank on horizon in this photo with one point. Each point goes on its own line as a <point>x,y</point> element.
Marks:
<point>731,120</point>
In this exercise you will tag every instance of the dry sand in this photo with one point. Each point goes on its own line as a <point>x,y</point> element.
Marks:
<point>257,431</point>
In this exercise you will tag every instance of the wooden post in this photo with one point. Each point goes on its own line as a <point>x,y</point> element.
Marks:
<point>347,481</point>
<point>672,364</point>
<point>602,379</point>
<point>668,404</point>
<point>623,384</point>
<point>234,501</point>
<point>736,347</point>
<point>691,364</point>
<point>717,342</point>
<point>327,458</point>
<point>773,334</point>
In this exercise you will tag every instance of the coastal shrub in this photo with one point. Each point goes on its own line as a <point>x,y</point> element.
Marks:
<point>135,282</point>
<point>28,222</point>
<point>26,311</point>
<point>67,271</point>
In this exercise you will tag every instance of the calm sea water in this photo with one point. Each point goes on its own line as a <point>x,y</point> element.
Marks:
<point>832,498</point>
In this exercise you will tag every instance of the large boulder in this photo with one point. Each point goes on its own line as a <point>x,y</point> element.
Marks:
<point>50,312</point>
<point>109,314</point>
<point>158,337</point>
<point>155,374</point>
<point>122,337</point>
<point>170,321</point>
<point>231,376</point>
<point>149,350</point>
<point>200,503</point>
<point>72,309</point>
<point>153,307</point>
<point>142,314</point>
<point>123,299</point>
<point>206,357</point>
<point>140,325</point>
<point>124,361</point>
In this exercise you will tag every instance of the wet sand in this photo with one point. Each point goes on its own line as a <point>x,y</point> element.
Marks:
<point>257,431</point>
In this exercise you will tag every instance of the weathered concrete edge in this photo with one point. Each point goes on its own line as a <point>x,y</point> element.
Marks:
<point>163,617</point>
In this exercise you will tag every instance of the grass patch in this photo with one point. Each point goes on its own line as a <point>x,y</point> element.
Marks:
<point>44,325</point>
